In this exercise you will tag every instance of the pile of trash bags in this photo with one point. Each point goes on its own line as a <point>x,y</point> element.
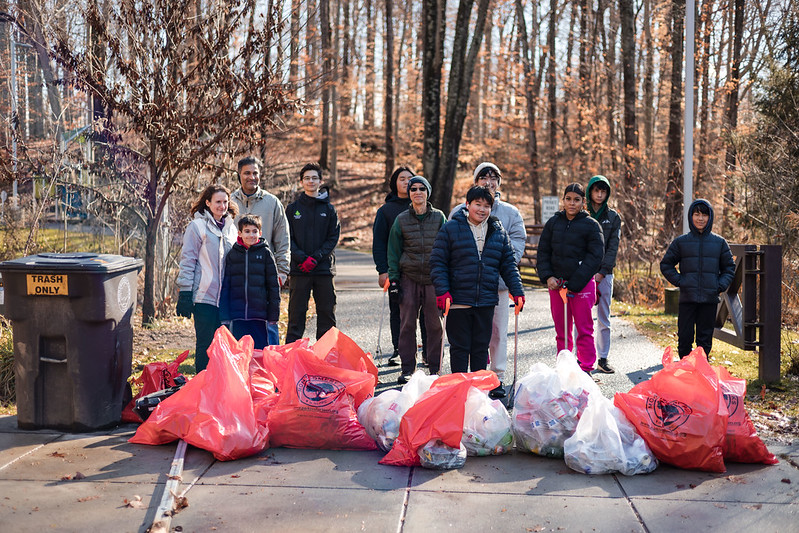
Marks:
<point>689,414</point>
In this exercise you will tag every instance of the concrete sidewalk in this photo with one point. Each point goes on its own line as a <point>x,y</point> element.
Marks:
<point>50,480</point>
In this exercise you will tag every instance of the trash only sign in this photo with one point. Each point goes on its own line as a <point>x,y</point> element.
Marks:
<point>47,285</point>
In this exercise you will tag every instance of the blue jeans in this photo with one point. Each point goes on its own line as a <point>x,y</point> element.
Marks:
<point>272,335</point>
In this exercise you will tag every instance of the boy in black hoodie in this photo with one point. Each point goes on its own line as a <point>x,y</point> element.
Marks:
<point>598,193</point>
<point>314,230</point>
<point>706,270</point>
<point>250,296</point>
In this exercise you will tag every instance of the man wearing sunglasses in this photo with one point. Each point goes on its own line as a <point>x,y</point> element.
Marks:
<point>488,175</point>
<point>410,244</point>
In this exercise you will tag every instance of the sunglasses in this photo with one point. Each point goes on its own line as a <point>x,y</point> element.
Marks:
<point>418,189</point>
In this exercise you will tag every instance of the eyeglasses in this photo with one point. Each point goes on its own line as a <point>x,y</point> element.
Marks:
<point>418,189</point>
<point>311,178</point>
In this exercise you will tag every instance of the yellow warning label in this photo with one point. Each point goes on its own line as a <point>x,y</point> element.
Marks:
<point>47,285</point>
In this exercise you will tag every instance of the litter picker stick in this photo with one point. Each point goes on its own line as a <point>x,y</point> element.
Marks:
<point>515,350</point>
<point>564,296</point>
<point>443,332</point>
<point>378,351</point>
<point>163,515</point>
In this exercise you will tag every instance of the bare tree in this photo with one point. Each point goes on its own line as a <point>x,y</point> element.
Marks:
<point>171,114</point>
<point>633,184</point>
<point>732,111</point>
<point>673,212</point>
<point>388,71</point>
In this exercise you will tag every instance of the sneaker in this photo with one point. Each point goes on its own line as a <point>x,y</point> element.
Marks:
<point>394,360</point>
<point>499,392</point>
<point>603,366</point>
<point>404,378</point>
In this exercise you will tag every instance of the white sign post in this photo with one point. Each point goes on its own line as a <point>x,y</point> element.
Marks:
<point>549,206</point>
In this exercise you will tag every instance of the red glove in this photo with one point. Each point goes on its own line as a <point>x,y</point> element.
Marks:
<point>519,301</point>
<point>441,301</point>
<point>308,265</point>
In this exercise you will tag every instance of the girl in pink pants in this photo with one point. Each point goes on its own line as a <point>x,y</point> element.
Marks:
<point>570,252</point>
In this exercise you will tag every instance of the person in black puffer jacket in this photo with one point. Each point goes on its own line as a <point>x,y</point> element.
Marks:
<point>570,252</point>
<point>250,298</point>
<point>706,269</point>
<point>314,231</point>
<point>470,254</point>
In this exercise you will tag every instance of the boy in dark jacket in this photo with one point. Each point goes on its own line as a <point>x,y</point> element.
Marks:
<point>250,296</point>
<point>706,270</point>
<point>314,230</point>
<point>598,193</point>
<point>570,252</point>
<point>470,254</point>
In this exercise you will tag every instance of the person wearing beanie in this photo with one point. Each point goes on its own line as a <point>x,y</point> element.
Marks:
<point>488,175</point>
<point>396,202</point>
<point>314,228</point>
<point>410,244</point>
<point>598,192</point>
<point>471,253</point>
<point>251,199</point>
<point>570,252</point>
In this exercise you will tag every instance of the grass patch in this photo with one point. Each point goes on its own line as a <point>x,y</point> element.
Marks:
<point>661,329</point>
<point>7,392</point>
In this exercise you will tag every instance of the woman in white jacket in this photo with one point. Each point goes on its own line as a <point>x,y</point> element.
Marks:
<point>208,238</point>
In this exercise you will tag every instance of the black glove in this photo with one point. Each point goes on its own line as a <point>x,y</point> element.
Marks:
<point>185,304</point>
<point>394,289</point>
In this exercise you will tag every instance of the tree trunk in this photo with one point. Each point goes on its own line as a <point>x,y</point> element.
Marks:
<point>584,74</point>
<point>553,101</point>
<point>346,63</point>
<point>369,100</point>
<point>294,46</point>
<point>532,100</point>
<point>324,24</point>
<point>635,222</point>
<point>610,66</point>
<point>732,113</point>
<point>458,89</point>
<point>434,20</point>
<point>648,103</point>
<point>673,211</point>
<point>388,73</point>
<point>704,107</point>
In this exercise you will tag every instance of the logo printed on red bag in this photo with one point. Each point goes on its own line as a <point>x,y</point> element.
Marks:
<point>667,414</point>
<point>318,391</point>
<point>732,402</point>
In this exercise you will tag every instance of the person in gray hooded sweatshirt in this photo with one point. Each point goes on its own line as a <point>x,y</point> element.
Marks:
<point>488,175</point>
<point>598,192</point>
<point>706,270</point>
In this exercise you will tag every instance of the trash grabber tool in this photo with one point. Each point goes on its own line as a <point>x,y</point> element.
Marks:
<point>564,296</point>
<point>378,351</point>
<point>512,394</point>
<point>443,332</point>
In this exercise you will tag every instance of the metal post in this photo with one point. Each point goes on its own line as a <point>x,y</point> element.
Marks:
<point>14,193</point>
<point>770,313</point>
<point>688,114</point>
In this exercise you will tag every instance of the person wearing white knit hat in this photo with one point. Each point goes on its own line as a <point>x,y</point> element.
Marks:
<point>488,175</point>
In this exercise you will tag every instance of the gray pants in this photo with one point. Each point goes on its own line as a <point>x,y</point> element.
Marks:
<point>602,327</point>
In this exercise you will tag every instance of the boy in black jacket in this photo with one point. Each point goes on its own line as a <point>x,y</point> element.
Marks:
<point>706,270</point>
<point>250,296</point>
<point>314,230</point>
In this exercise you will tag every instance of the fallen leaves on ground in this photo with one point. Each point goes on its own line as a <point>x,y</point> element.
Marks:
<point>135,502</point>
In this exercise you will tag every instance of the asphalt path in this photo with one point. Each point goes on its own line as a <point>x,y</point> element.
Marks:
<point>360,309</point>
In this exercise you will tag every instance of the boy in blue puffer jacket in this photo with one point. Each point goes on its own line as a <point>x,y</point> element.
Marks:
<point>250,298</point>
<point>470,254</point>
<point>706,270</point>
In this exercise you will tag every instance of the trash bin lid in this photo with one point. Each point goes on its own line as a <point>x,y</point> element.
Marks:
<point>73,262</point>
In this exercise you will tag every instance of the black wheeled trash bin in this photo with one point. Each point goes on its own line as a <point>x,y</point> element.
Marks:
<point>73,340</point>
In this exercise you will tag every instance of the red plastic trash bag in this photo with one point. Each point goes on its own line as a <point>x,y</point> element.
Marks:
<point>343,352</point>
<point>318,405</point>
<point>154,377</point>
<point>680,413</point>
<point>275,359</point>
<point>214,411</point>
<point>742,444</point>
<point>438,414</point>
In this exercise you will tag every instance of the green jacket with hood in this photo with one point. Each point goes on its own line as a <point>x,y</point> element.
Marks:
<point>610,222</point>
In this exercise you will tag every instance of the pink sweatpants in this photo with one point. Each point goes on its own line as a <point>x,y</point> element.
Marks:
<point>579,307</point>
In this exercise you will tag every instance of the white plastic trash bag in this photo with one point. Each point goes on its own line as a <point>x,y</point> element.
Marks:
<point>418,385</point>
<point>544,413</point>
<point>486,425</point>
<point>439,456</point>
<point>606,442</point>
<point>381,416</point>
<point>574,379</point>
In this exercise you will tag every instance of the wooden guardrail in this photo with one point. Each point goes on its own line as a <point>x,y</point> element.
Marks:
<point>527,266</point>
